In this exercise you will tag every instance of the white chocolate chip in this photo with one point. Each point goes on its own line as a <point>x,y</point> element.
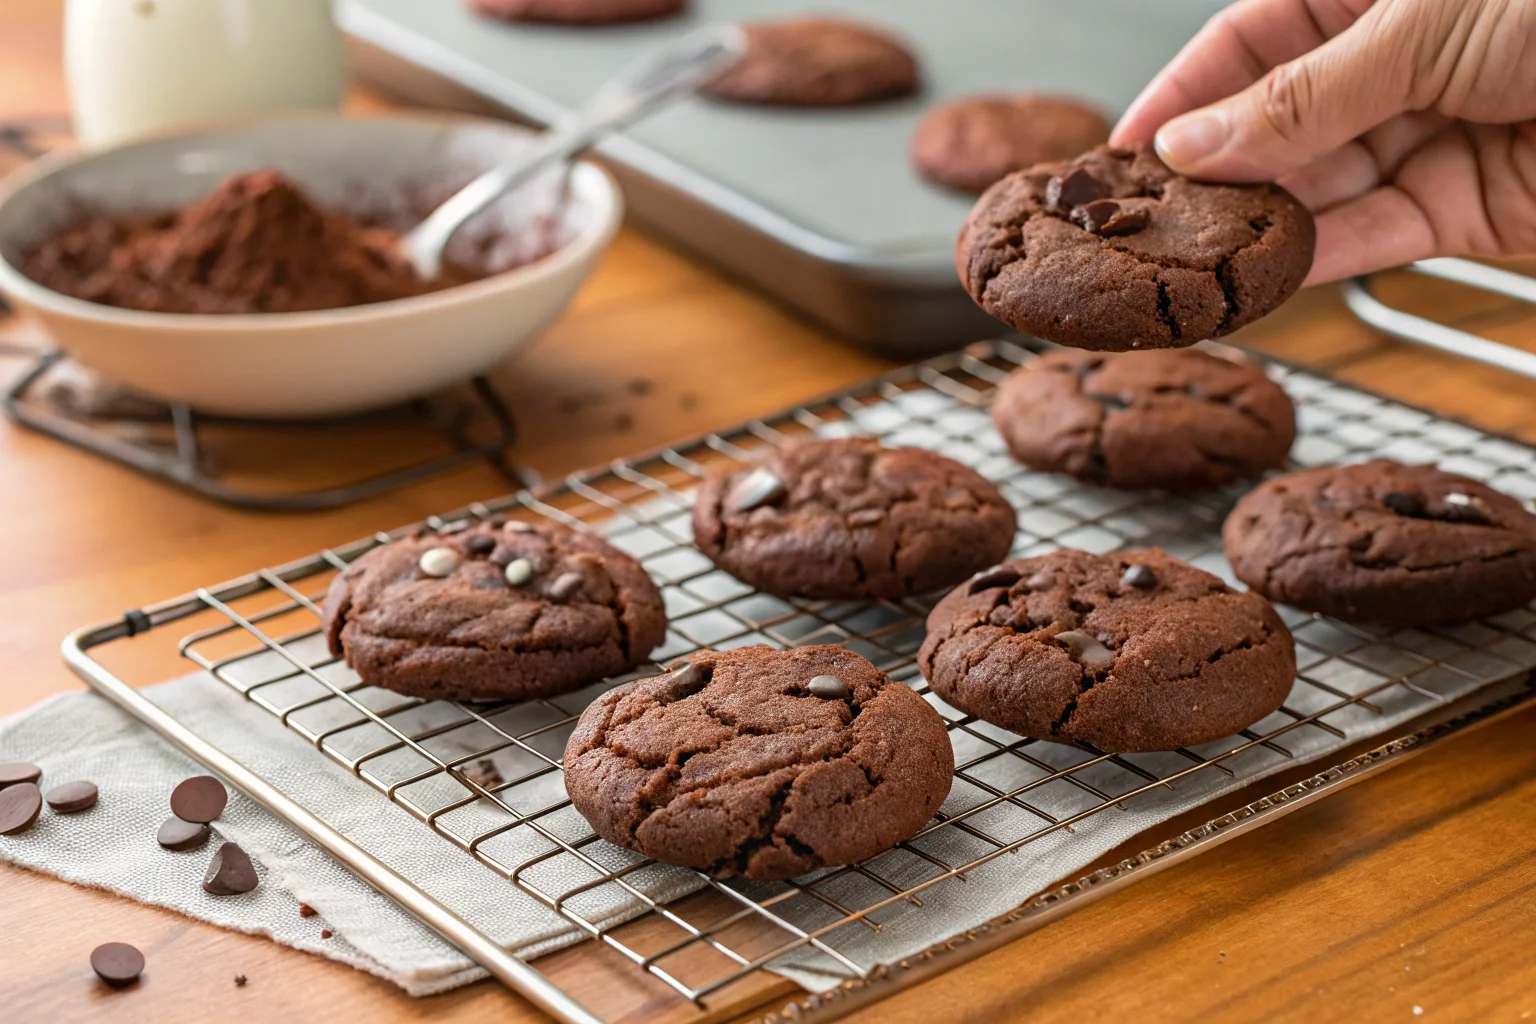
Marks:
<point>519,571</point>
<point>438,561</point>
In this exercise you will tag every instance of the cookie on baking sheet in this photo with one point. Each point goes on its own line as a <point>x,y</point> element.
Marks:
<point>817,62</point>
<point>579,12</point>
<point>493,612</point>
<point>760,762</point>
<point>850,519</point>
<point>1176,419</point>
<point>1127,652</point>
<point>1383,542</point>
<point>1113,251</point>
<point>971,142</point>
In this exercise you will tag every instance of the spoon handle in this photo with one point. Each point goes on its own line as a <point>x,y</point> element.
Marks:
<point>638,90</point>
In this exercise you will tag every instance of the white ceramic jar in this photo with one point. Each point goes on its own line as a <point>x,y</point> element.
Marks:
<point>140,66</point>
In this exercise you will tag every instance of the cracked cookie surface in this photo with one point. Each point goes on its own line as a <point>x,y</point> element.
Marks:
<point>973,141</point>
<point>582,611</point>
<point>1113,251</point>
<point>1127,652</point>
<point>731,764</point>
<point>816,62</point>
<point>1176,419</point>
<point>1383,542</point>
<point>849,519</point>
<point>579,12</point>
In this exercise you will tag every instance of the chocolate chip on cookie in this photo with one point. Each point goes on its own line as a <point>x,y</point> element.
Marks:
<point>1082,648</point>
<point>743,762</point>
<point>549,609</point>
<point>1113,251</point>
<point>1384,542</point>
<point>579,12</point>
<point>971,142</point>
<point>816,62</point>
<point>1178,419</point>
<point>847,518</point>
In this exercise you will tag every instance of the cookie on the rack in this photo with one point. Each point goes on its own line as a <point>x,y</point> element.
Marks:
<point>1176,419</point>
<point>816,62</point>
<point>760,762</point>
<point>1113,251</point>
<point>1383,542</point>
<point>579,12</point>
<point>849,519</point>
<point>969,143</point>
<point>1127,652</point>
<point>496,611</point>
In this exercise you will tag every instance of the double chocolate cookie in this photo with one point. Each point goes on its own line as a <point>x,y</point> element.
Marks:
<point>816,62</point>
<point>849,519</point>
<point>1113,251</point>
<point>579,12</point>
<point>760,762</point>
<point>1176,419</point>
<point>496,611</point>
<point>1126,652</point>
<point>1384,542</point>
<point>971,142</point>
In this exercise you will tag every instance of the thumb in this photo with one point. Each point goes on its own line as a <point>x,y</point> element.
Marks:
<point>1304,108</point>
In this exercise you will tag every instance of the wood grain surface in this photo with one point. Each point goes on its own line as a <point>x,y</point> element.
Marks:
<point>1412,892</point>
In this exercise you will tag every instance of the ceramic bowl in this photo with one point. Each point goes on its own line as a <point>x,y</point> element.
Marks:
<point>329,362</point>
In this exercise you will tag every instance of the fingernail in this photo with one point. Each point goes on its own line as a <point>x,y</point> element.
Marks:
<point>1194,137</point>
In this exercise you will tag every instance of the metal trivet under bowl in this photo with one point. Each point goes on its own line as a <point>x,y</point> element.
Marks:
<point>167,441</point>
<point>1023,816</point>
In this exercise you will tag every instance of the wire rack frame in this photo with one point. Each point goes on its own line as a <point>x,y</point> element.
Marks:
<point>706,944</point>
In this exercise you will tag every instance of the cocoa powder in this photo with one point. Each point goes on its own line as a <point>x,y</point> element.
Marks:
<point>255,244</point>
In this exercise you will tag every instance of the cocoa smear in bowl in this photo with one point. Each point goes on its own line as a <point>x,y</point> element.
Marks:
<point>255,244</point>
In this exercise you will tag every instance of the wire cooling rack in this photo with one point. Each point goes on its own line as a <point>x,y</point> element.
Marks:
<point>485,778</point>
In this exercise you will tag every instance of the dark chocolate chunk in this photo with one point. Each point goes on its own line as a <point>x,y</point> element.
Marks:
<point>19,807</point>
<point>176,834</point>
<point>200,798</point>
<point>1109,218</point>
<point>687,677</point>
<point>19,771</point>
<point>1074,188</point>
<point>1040,581</point>
<point>759,487</point>
<point>1002,576</point>
<point>480,544</point>
<point>230,873</point>
<point>1085,648</point>
<point>1403,504</point>
<point>117,963</point>
<point>566,586</point>
<point>72,797</point>
<point>1463,508</point>
<point>828,688</point>
<point>1140,577</point>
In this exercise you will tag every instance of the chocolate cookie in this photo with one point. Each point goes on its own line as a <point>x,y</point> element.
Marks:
<point>1178,419</point>
<point>1113,251</point>
<point>1126,652</point>
<point>849,519</point>
<point>971,142</point>
<point>1384,542</point>
<point>579,12</point>
<point>816,62</point>
<point>760,762</point>
<point>493,612</point>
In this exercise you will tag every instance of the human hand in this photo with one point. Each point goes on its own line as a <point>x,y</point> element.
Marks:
<point>1407,126</point>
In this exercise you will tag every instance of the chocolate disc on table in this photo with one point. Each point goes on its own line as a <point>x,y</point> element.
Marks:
<point>117,963</point>
<point>200,798</point>
<point>176,834</point>
<point>18,771</point>
<point>19,807</point>
<point>230,872</point>
<point>72,797</point>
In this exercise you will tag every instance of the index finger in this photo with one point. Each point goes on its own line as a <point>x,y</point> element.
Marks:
<point>1234,49</point>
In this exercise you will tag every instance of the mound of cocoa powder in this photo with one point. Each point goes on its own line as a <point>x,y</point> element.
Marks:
<point>255,244</point>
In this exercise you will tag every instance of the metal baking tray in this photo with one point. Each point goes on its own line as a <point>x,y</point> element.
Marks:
<point>819,208</point>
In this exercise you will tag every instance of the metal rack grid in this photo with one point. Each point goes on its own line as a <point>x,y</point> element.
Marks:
<point>264,642</point>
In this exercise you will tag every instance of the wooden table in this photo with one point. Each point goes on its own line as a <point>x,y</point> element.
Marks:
<point>1415,889</point>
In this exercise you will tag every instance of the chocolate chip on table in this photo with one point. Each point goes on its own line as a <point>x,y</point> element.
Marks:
<point>19,807</point>
<point>1109,218</point>
<point>72,797</point>
<point>1075,188</point>
<point>566,586</point>
<point>519,571</point>
<point>758,488</point>
<point>199,799</point>
<point>1000,576</point>
<point>828,688</point>
<point>1403,504</point>
<point>305,910</point>
<point>230,873</point>
<point>438,562</point>
<point>480,544</point>
<point>176,834</point>
<point>1140,577</point>
<point>325,933</point>
<point>19,771</point>
<point>117,963</point>
<point>1085,648</point>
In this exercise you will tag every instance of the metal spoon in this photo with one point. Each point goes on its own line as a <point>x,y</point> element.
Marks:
<point>639,90</point>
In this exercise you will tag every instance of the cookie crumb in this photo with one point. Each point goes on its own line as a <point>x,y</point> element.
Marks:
<point>325,933</point>
<point>239,981</point>
<point>305,910</point>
